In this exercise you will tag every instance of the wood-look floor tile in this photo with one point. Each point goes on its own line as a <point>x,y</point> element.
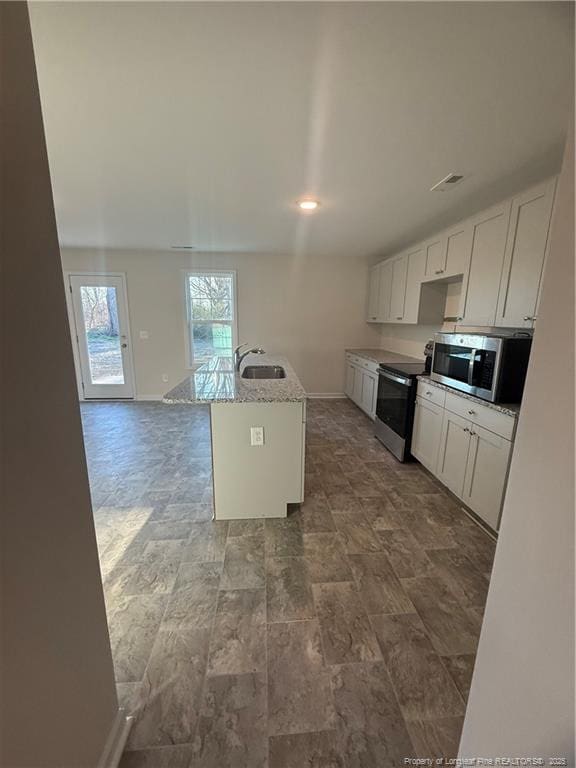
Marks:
<point>436,739</point>
<point>283,537</point>
<point>313,750</point>
<point>172,689</point>
<point>371,729</point>
<point>207,542</point>
<point>346,631</point>
<point>244,563</point>
<point>363,485</point>
<point>288,589</point>
<point>158,757</point>
<point>193,601</point>
<point>167,530</point>
<point>191,512</point>
<point>461,668</point>
<point>407,556</point>
<point>133,623</point>
<point>326,558</point>
<point>423,686</point>
<point>232,729</point>
<point>378,586</point>
<point>358,537</point>
<point>299,693</point>
<point>452,629</point>
<point>238,643</point>
<point>459,574</point>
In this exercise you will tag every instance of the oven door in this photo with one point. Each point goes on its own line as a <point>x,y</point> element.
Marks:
<point>395,396</point>
<point>467,368</point>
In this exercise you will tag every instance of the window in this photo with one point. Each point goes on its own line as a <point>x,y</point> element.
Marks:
<point>211,305</point>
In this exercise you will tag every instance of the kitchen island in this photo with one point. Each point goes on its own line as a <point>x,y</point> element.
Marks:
<point>258,434</point>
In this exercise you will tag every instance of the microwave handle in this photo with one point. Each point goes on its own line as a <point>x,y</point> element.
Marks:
<point>471,367</point>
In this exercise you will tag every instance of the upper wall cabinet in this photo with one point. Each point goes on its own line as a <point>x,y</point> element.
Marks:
<point>489,230</point>
<point>524,257</point>
<point>448,254</point>
<point>373,294</point>
<point>398,291</point>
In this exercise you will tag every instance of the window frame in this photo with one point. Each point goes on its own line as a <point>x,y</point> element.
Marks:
<point>191,363</point>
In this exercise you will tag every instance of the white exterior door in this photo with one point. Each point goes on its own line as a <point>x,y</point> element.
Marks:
<point>453,454</point>
<point>486,473</point>
<point>426,433</point>
<point>100,314</point>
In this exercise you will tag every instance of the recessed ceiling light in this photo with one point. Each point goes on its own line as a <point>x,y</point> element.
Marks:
<point>308,205</point>
<point>183,247</point>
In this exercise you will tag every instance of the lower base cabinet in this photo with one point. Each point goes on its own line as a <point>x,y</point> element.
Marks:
<point>486,473</point>
<point>362,385</point>
<point>469,459</point>
<point>426,433</point>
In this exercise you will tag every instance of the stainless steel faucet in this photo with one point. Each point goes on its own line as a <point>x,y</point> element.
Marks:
<point>239,357</point>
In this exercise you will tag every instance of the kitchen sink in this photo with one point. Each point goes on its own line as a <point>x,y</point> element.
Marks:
<point>263,372</point>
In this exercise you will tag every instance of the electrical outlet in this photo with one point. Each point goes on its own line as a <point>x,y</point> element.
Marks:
<point>256,435</point>
<point>165,377</point>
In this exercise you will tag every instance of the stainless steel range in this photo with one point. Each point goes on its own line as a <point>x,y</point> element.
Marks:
<point>395,406</point>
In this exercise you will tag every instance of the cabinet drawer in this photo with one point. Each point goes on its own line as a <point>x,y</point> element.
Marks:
<point>369,365</point>
<point>354,359</point>
<point>497,422</point>
<point>431,393</point>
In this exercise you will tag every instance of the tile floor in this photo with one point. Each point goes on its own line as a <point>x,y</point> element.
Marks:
<point>341,637</point>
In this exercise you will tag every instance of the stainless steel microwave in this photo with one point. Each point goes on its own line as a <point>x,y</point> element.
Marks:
<point>489,366</point>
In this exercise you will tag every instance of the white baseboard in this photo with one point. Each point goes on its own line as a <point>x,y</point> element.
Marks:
<point>326,395</point>
<point>116,740</point>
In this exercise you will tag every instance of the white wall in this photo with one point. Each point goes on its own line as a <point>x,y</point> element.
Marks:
<point>58,698</point>
<point>522,697</point>
<point>309,310</point>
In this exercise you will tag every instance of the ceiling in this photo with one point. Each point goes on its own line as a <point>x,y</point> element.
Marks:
<point>201,123</point>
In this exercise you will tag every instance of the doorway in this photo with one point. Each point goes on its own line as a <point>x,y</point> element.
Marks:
<point>99,309</point>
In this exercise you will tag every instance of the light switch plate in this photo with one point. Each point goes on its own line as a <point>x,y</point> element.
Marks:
<point>256,435</point>
<point>144,335</point>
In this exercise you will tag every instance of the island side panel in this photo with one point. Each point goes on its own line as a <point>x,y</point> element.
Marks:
<point>257,481</point>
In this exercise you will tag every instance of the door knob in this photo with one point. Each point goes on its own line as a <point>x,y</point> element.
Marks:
<point>124,345</point>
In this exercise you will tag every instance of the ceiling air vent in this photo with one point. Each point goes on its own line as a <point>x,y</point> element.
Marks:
<point>447,182</point>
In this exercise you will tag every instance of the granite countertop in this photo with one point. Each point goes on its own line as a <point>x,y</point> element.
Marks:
<point>384,356</point>
<point>217,381</point>
<point>510,409</point>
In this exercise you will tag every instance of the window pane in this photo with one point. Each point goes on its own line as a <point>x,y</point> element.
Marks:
<point>213,292</point>
<point>210,339</point>
<point>100,310</point>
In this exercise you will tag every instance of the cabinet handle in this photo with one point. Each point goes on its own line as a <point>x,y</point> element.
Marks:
<point>472,413</point>
<point>529,318</point>
<point>428,392</point>
<point>374,318</point>
<point>438,271</point>
<point>472,433</point>
<point>399,318</point>
<point>459,318</point>
<point>466,429</point>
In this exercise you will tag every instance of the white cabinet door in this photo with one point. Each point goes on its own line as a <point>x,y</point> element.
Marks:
<point>426,433</point>
<point>453,453</point>
<point>373,294</point>
<point>524,258</point>
<point>486,472</point>
<point>357,388</point>
<point>435,257</point>
<point>458,249</point>
<point>385,291</point>
<point>349,383</point>
<point>398,292</point>
<point>489,230</point>
<point>414,277</point>
<point>369,391</point>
